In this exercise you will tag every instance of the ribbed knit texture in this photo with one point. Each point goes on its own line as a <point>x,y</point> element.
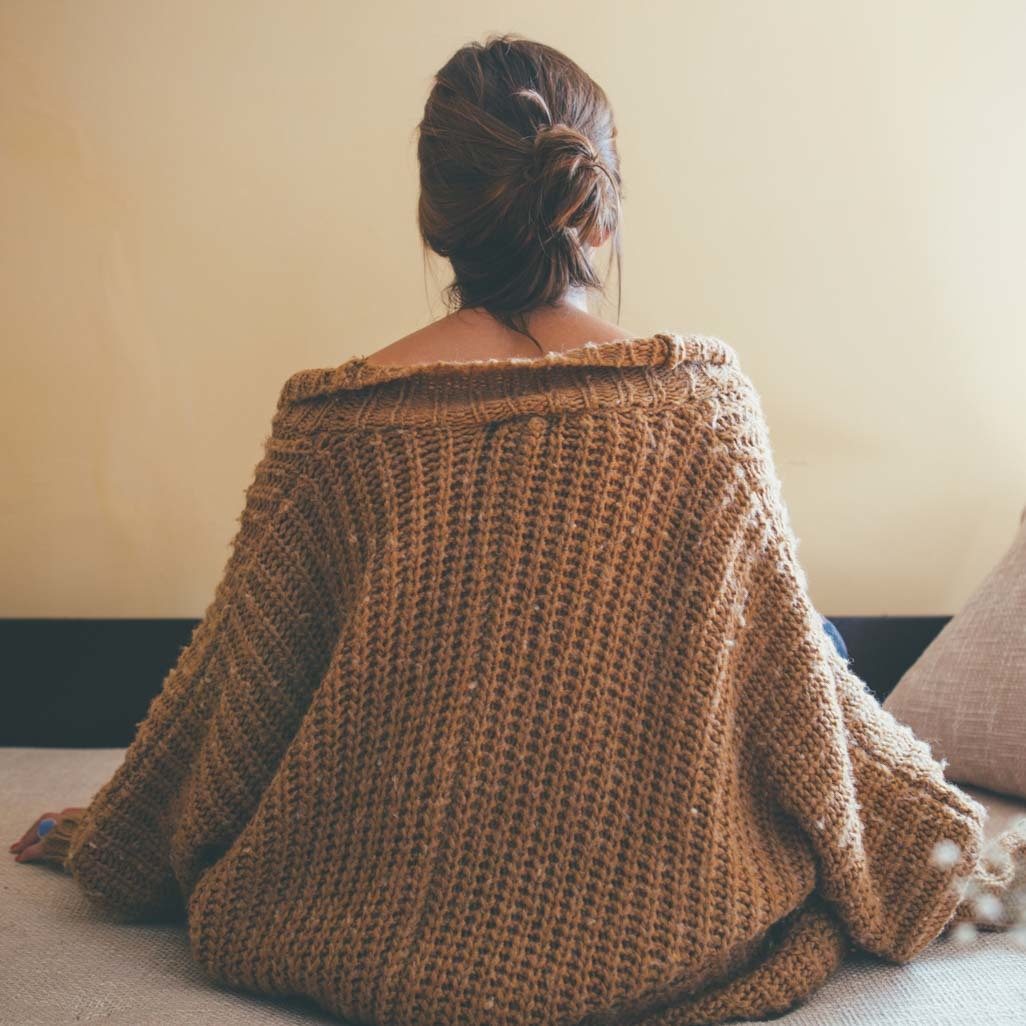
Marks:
<point>511,708</point>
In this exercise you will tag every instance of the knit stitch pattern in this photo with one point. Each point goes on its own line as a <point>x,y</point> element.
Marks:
<point>511,707</point>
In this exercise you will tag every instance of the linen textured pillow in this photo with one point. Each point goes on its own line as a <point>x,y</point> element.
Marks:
<point>966,694</point>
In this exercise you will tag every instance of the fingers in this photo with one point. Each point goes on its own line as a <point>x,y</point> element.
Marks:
<point>32,834</point>
<point>33,853</point>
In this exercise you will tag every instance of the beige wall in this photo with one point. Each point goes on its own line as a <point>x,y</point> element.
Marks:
<point>197,199</point>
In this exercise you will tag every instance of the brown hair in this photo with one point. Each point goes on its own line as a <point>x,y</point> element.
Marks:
<point>519,175</point>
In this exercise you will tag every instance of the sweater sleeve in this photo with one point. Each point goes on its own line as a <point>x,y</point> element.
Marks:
<point>894,841</point>
<point>233,698</point>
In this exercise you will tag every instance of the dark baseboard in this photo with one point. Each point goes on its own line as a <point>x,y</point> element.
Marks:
<point>75,683</point>
<point>882,648</point>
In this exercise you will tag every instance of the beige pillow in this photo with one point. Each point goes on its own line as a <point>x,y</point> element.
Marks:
<point>966,694</point>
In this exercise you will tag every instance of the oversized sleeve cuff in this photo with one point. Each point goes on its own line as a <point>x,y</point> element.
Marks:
<point>54,846</point>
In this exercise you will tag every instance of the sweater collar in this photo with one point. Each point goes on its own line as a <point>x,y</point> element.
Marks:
<point>637,370</point>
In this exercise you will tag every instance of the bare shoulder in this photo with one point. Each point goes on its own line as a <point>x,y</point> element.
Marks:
<point>471,335</point>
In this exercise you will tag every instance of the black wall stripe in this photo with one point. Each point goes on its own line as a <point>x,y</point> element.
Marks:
<point>77,683</point>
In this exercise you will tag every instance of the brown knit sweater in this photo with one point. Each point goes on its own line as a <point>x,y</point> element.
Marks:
<point>512,708</point>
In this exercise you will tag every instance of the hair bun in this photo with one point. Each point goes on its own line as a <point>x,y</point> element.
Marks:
<point>559,142</point>
<point>566,168</point>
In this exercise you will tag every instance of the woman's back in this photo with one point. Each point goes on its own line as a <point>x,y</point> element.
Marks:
<point>511,707</point>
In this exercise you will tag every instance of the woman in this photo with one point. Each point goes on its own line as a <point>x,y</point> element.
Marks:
<point>511,705</point>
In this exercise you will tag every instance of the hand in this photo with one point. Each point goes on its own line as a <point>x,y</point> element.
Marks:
<point>29,847</point>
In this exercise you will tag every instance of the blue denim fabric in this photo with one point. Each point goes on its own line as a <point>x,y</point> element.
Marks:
<point>835,637</point>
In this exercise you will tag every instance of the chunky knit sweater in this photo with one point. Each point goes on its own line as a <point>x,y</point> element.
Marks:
<point>511,707</point>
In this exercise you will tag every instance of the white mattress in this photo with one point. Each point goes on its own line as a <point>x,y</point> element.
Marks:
<point>64,963</point>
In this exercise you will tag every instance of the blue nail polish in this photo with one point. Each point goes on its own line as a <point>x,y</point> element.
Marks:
<point>45,826</point>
